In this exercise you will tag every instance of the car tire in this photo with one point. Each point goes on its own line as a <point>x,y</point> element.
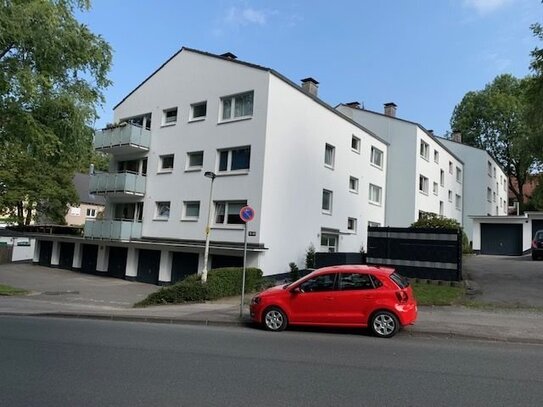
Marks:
<point>534,257</point>
<point>384,324</point>
<point>274,319</point>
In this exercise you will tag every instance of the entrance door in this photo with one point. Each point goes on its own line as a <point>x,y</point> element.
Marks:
<point>116,266</point>
<point>148,266</point>
<point>329,243</point>
<point>312,304</point>
<point>183,265</point>
<point>89,257</point>
<point>66,258</point>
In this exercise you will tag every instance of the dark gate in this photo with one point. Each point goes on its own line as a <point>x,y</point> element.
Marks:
<point>434,254</point>
<point>148,266</point>
<point>501,239</point>
<point>66,257</point>
<point>220,261</point>
<point>183,265</point>
<point>116,266</point>
<point>89,258</point>
<point>46,251</point>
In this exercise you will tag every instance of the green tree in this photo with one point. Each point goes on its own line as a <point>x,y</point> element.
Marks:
<point>496,119</point>
<point>53,70</point>
<point>536,91</point>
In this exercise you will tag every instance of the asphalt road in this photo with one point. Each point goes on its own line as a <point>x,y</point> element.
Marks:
<point>64,362</point>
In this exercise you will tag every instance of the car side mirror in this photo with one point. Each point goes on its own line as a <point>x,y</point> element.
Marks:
<point>296,290</point>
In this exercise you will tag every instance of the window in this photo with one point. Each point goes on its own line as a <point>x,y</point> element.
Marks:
<point>450,167</point>
<point>424,150</point>
<point>235,159</point>
<point>488,194</point>
<point>458,175</point>
<point>327,201</point>
<point>376,157</point>
<point>355,281</point>
<point>450,195</point>
<point>166,163</point>
<point>442,178</point>
<point>493,197</point>
<point>324,282</point>
<point>195,160</point>
<point>436,156</point>
<point>351,224</point>
<point>423,184</point>
<point>91,213</point>
<point>375,194</point>
<point>355,144</point>
<point>458,201</point>
<point>237,106</point>
<point>198,111</point>
<point>162,210</point>
<point>505,185</point>
<point>353,184</point>
<point>170,116</point>
<point>75,211</point>
<point>329,155</point>
<point>328,243</point>
<point>489,166</point>
<point>494,169</point>
<point>373,224</point>
<point>191,210</point>
<point>227,212</point>
<point>440,208</point>
<point>434,189</point>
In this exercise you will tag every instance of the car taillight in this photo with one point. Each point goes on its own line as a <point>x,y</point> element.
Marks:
<point>534,244</point>
<point>402,297</point>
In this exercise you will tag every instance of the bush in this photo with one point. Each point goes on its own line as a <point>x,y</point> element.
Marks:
<point>190,289</point>
<point>431,220</point>
<point>294,271</point>
<point>310,257</point>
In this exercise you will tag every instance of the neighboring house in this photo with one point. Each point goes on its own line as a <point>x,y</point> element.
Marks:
<point>424,176</point>
<point>312,175</point>
<point>485,187</point>
<point>527,190</point>
<point>90,205</point>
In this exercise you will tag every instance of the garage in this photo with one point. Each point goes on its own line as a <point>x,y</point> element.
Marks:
<point>501,239</point>
<point>183,265</point>
<point>148,266</point>
<point>116,266</point>
<point>89,256</point>
<point>537,224</point>
<point>46,251</point>
<point>66,256</point>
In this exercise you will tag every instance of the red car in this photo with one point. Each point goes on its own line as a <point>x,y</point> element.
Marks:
<point>347,296</point>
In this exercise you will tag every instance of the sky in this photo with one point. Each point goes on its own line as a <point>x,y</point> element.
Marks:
<point>423,55</point>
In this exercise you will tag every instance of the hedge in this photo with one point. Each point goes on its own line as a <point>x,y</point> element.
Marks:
<point>224,282</point>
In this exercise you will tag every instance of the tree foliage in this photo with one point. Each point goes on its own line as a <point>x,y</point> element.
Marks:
<point>496,119</point>
<point>535,93</point>
<point>53,70</point>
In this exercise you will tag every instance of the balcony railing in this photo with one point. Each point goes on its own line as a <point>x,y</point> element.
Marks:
<point>123,139</point>
<point>111,229</point>
<point>121,184</point>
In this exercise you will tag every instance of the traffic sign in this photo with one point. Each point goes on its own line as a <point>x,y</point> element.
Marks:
<point>247,214</point>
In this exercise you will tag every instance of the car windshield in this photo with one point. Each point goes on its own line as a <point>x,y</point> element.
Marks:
<point>400,280</point>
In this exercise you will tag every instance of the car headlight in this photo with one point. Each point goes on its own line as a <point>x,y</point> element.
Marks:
<point>255,300</point>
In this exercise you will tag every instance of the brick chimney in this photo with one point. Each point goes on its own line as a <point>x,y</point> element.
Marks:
<point>390,109</point>
<point>456,136</point>
<point>310,85</point>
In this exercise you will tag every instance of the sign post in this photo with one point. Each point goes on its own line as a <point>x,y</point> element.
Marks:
<point>246,214</point>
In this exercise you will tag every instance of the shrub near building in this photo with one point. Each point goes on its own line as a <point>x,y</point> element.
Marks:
<point>224,282</point>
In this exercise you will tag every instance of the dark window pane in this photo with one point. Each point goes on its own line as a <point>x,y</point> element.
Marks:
<point>241,159</point>
<point>223,161</point>
<point>355,281</point>
<point>324,282</point>
<point>400,280</point>
<point>199,110</point>
<point>196,159</point>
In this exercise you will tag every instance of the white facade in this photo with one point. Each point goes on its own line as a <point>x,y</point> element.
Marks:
<point>485,189</point>
<point>287,131</point>
<point>423,175</point>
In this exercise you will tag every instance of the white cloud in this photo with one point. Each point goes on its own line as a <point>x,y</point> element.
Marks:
<point>246,16</point>
<point>486,6</point>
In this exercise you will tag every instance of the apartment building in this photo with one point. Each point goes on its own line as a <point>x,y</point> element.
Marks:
<point>206,128</point>
<point>424,175</point>
<point>485,189</point>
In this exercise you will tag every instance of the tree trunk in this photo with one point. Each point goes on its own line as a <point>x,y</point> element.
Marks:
<point>28,214</point>
<point>20,213</point>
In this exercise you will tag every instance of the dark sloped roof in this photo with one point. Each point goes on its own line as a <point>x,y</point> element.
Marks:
<point>262,68</point>
<point>81,184</point>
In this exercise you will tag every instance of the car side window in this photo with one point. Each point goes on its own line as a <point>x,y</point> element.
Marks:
<point>324,282</point>
<point>355,281</point>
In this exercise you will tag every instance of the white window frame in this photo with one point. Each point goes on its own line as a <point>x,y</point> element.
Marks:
<point>232,99</point>
<point>436,156</point>
<point>442,177</point>
<point>375,190</point>
<point>488,194</point>
<point>90,213</point>
<point>424,150</point>
<point>450,196</point>
<point>188,167</point>
<point>170,121</point>
<point>327,211</point>
<point>352,224</point>
<point>441,208</point>
<point>435,188</point>
<point>451,167</point>
<point>459,175</point>
<point>186,205</point>
<point>374,224</point>
<point>354,182</point>
<point>158,210</point>
<point>355,140</point>
<point>226,205</point>
<point>332,155</point>
<point>193,118</point>
<point>229,169</point>
<point>458,202</point>
<point>329,248</point>
<point>376,157</point>
<point>163,169</point>
<point>424,184</point>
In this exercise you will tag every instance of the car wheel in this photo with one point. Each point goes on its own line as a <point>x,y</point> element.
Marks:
<point>274,319</point>
<point>384,324</point>
<point>534,257</point>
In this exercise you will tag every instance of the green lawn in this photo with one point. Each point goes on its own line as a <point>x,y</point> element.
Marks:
<point>432,294</point>
<point>7,290</point>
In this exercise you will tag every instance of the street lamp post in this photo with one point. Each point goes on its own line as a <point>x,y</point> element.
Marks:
<point>212,176</point>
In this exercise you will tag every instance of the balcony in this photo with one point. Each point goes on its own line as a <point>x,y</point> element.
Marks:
<point>123,184</point>
<point>108,229</point>
<point>124,139</point>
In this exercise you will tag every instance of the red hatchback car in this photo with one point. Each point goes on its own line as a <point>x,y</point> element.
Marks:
<point>347,296</point>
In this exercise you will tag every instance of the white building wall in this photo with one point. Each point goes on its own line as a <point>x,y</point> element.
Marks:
<point>295,176</point>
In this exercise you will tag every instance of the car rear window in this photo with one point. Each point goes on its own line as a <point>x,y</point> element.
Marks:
<point>539,235</point>
<point>400,280</point>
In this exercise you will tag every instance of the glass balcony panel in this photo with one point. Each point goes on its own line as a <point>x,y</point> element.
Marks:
<point>123,183</point>
<point>122,139</point>
<point>108,229</point>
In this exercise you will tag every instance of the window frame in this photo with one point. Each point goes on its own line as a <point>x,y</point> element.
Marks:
<point>458,201</point>
<point>459,175</point>
<point>185,216</point>
<point>189,167</point>
<point>356,184</point>
<point>232,99</point>
<point>424,150</point>
<point>226,213</point>
<point>436,156</point>
<point>327,211</point>
<point>165,112</point>
<point>358,144</point>
<point>435,188</point>
<point>354,228</point>
<point>424,184</point>
<point>158,216</point>
<point>379,190</point>
<point>332,148</point>
<point>375,152</point>
<point>229,160</point>
<point>193,118</point>
<point>162,169</point>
